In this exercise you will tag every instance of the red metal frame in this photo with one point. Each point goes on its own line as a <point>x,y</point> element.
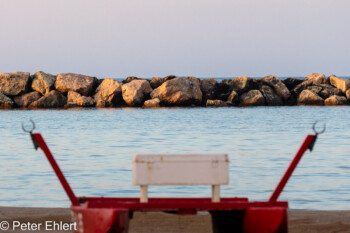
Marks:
<point>111,214</point>
<point>42,144</point>
<point>306,145</point>
<point>175,204</point>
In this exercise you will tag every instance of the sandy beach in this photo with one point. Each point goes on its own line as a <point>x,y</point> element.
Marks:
<point>305,221</point>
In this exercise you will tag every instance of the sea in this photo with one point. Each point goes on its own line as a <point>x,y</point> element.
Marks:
<point>94,148</point>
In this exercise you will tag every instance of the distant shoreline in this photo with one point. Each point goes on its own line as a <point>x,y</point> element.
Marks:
<point>22,90</point>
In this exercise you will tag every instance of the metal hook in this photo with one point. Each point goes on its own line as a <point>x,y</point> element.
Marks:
<point>29,131</point>
<point>320,132</point>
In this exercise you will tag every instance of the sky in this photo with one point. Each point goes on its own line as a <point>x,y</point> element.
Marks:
<point>150,38</point>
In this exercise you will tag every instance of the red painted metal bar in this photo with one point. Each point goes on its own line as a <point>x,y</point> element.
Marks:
<point>163,199</point>
<point>42,144</point>
<point>306,144</point>
<point>168,204</point>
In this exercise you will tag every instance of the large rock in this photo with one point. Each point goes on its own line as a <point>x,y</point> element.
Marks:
<point>75,82</point>
<point>308,97</point>
<point>328,90</point>
<point>156,82</point>
<point>136,91</point>
<point>209,89</point>
<point>152,103</point>
<point>339,83</point>
<point>169,77</point>
<point>223,90</point>
<point>348,95</point>
<point>252,98</point>
<point>223,96</point>
<point>179,91</point>
<point>130,79</point>
<point>5,102</point>
<point>13,84</point>
<point>233,98</point>
<point>108,93</point>
<point>325,90</point>
<point>25,100</point>
<point>291,83</point>
<point>271,97</point>
<point>316,78</point>
<point>335,100</point>
<point>53,99</point>
<point>300,87</point>
<point>278,85</point>
<point>216,103</point>
<point>223,87</point>
<point>243,84</point>
<point>43,82</point>
<point>315,89</point>
<point>74,99</point>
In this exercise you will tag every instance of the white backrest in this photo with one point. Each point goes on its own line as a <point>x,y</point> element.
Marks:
<point>180,169</point>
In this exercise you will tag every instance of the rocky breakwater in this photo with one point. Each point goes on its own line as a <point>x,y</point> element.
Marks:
<point>43,90</point>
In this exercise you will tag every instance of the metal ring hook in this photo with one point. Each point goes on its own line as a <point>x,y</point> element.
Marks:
<point>320,132</point>
<point>29,131</point>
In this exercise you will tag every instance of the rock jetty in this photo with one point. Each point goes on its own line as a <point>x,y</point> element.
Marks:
<point>43,90</point>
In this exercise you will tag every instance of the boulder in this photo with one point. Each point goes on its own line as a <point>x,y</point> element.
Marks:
<point>209,89</point>
<point>25,100</point>
<point>98,83</point>
<point>223,96</point>
<point>216,103</point>
<point>348,95</point>
<point>316,78</point>
<point>223,87</point>
<point>179,91</point>
<point>339,83</point>
<point>336,100</point>
<point>300,87</point>
<point>5,102</point>
<point>82,84</point>
<point>108,93</point>
<point>315,89</point>
<point>43,82</point>
<point>291,83</point>
<point>53,99</point>
<point>233,98</point>
<point>156,82</point>
<point>325,90</point>
<point>152,103</point>
<point>271,97</point>
<point>136,92</point>
<point>328,90</point>
<point>277,85</point>
<point>252,98</point>
<point>169,77</point>
<point>292,101</point>
<point>74,99</point>
<point>243,84</point>
<point>129,79</point>
<point>13,84</point>
<point>308,97</point>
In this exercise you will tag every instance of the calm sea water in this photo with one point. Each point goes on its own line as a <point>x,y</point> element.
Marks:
<point>94,148</point>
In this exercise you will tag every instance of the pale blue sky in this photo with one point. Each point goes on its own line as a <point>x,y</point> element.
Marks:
<point>145,38</point>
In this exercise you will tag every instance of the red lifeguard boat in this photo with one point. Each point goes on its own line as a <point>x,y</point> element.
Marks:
<point>112,214</point>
